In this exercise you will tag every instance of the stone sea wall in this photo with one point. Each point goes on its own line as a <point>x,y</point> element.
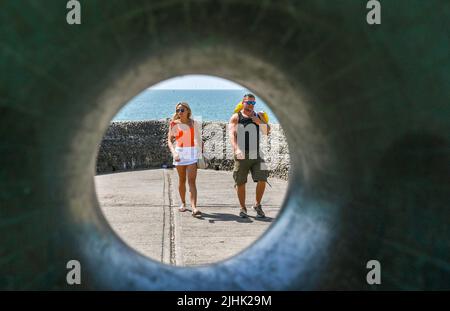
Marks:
<point>143,144</point>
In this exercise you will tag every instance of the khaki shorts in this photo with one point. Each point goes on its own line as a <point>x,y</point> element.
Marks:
<point>255,166</point>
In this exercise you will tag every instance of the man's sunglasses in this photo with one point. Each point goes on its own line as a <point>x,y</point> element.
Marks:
<point>180,110</point>
<point>250,102</point>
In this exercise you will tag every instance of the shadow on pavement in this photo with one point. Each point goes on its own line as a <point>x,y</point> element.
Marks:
<point>231,217</point>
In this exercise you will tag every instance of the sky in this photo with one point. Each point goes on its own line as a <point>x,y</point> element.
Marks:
<point>196,82</point>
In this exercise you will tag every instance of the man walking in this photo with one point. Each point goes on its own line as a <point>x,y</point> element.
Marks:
<point>245,127</point>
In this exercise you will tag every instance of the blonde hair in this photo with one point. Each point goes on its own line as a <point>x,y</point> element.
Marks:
<point>185,105</point>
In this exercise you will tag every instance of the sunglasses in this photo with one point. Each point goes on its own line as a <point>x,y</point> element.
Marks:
<point>250,102</point>
<point>180,110</point>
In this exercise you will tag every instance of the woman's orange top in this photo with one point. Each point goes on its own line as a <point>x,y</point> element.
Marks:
<point>184,134</point>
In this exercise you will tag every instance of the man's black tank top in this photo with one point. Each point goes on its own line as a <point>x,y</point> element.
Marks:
<point>245,122</point>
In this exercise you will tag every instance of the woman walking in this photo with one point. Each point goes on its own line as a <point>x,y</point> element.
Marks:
<point>184,131</point>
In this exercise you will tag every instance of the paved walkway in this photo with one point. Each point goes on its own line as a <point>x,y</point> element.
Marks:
<point>141,207</point>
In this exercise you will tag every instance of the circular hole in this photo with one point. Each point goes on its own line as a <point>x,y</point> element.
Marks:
<point>271,262</point>
<point>138,182</point>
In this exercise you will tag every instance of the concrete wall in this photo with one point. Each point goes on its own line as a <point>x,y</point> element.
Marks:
<point>364,108</point>
<point>143,144</point>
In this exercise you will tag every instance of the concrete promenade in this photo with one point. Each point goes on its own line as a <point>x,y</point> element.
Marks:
<point>142,207</point>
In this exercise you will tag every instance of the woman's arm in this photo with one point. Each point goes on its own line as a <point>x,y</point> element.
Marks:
<point>198,136</point>
<point>170,138</point>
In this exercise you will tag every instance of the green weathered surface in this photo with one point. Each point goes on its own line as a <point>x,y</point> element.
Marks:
<point>365,110</point>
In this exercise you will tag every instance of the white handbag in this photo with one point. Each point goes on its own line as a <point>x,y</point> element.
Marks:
<point>201,162</point>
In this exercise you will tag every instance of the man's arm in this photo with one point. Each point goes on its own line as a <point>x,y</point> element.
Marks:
<point>265,127</point>
<point>232,127</point>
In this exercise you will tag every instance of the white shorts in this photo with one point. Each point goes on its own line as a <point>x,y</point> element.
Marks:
<point>188,155</point>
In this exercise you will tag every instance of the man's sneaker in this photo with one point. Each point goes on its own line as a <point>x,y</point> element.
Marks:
<point>259,211</point>
<point>243,213</point>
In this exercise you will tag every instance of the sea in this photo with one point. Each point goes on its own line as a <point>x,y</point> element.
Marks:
<point>206,105</point>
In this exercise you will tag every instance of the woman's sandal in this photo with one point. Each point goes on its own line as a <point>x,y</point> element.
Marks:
<point>196,213</point>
